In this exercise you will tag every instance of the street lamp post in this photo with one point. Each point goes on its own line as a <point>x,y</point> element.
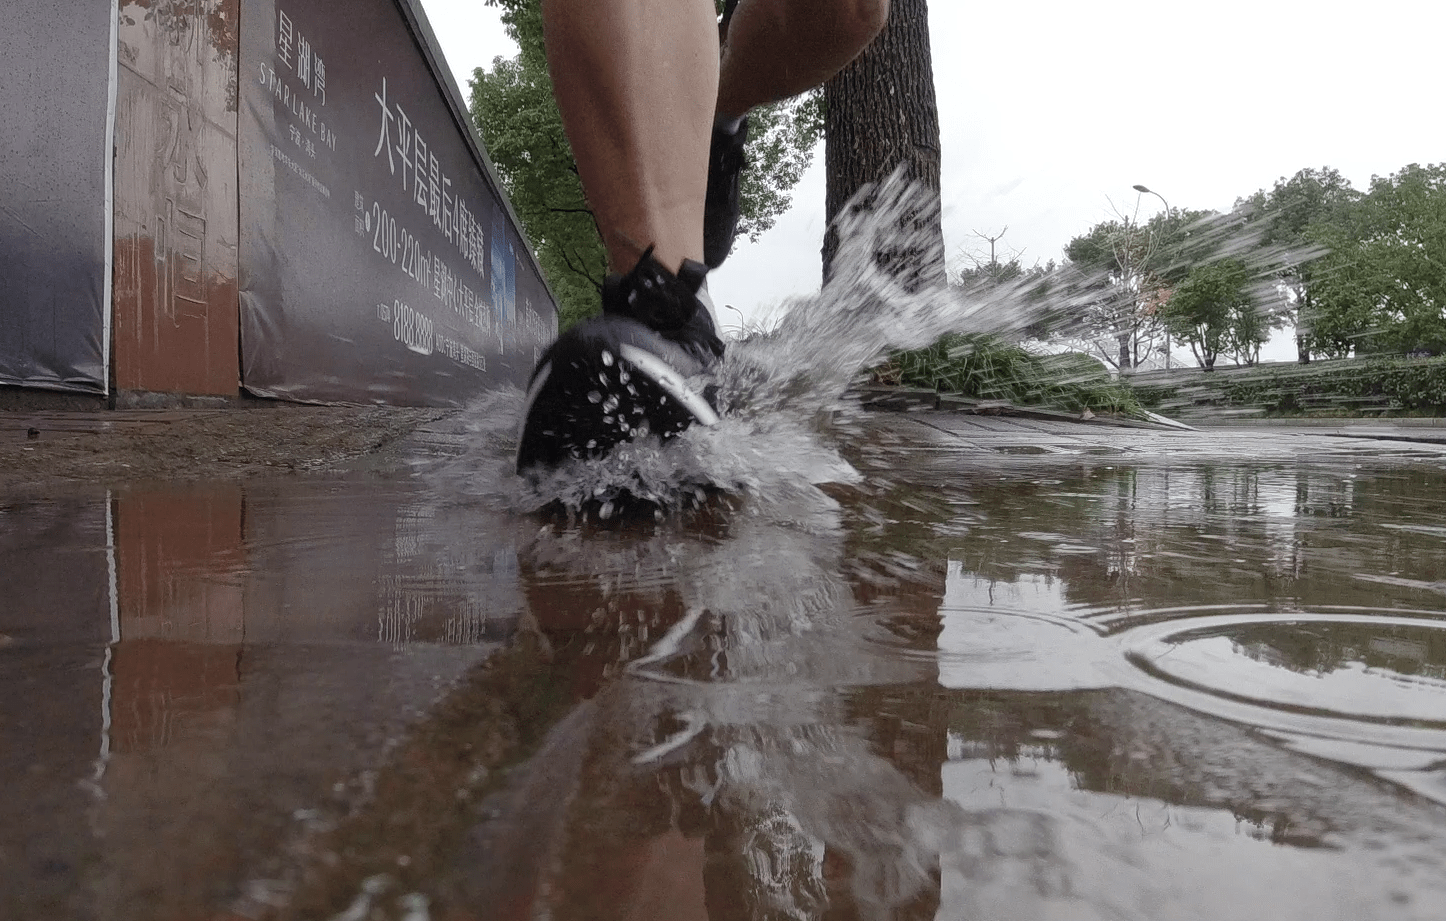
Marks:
<point>741,319</point>
<point>1143,190</point>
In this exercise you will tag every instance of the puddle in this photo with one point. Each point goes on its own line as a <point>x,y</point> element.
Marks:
<point>941,668</point>
<point>1370,668</point>
<point>1160,690</point>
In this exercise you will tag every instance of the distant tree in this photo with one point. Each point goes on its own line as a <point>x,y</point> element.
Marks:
<point>1129,267</point>
<point>513,108</point>
<point>1293,220</point>
<point>1382,286</point>
<point>1251,326</point>
<point>988,274</point>
<point>880,114</point>
<point>998,265</point>
<point>1110,320</point>
<point>514,111</point>
<point>1212,309</point>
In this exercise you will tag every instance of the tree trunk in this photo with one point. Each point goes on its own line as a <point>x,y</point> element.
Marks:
<point>1302,347</point>
<point>880,113</point>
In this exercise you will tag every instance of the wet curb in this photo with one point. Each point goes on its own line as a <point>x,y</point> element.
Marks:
<point>1324,422</point>
<point>913,399</point>
<point>52,448</point>
<point>1422,430</point>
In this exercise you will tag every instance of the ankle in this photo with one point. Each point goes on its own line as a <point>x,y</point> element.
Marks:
<point>728,124</point>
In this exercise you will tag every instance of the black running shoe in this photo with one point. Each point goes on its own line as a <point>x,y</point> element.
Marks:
<point>625,374</point>
<point>721,207</point>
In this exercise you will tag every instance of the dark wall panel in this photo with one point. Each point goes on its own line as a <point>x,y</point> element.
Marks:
<point>378,261</point>
<point>54,99</point>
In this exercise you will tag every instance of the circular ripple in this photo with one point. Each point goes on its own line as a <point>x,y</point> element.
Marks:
<point>1349,675</point>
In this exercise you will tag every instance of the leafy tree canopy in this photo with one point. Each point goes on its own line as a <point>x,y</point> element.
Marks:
<point>1294,206</point>
<point>1293,220</point>
<point>1214,310</point>
<point>1382,287</point>
<point>513,108</point>
<point>1132,265</point>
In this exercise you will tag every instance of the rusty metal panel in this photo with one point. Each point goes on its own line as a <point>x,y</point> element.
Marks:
<point>56,66</point>
<point>175,210</point>
<point>379,259</point>
<point>180,626</point>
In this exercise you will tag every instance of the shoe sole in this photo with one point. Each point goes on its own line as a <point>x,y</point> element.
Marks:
<point>604,400</point>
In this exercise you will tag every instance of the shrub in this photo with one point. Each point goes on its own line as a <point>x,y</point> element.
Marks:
<point>1376,386</point>
<point>985,369</point>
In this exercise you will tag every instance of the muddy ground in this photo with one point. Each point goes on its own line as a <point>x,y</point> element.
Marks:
<point>48,450</point>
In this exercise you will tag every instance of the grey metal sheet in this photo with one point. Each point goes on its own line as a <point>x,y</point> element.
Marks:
<point>54,102</point>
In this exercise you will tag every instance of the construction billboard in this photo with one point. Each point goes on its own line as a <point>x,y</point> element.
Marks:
<point>302,209</point>
<point>375,248</point>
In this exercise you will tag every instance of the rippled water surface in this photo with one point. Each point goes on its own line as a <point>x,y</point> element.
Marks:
<point>859,666</point>
<point>1125,674</point>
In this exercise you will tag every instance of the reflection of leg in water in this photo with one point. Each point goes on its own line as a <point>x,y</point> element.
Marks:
<point>717,754</point>
<point>724,778</point>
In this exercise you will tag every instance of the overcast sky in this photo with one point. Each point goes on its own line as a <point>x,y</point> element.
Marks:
<point>1051,111</point>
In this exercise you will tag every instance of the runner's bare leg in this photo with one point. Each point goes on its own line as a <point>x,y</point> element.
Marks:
<point>780,48</point>
<point>636,81</point>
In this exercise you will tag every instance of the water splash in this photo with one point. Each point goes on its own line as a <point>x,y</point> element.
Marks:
<point>780,392</point>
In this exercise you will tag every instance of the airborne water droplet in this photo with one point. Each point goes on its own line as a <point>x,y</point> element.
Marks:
<point>772,390</point>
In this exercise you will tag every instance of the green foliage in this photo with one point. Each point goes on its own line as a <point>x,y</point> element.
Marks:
<point>1294,206</point>
<point>781,141</point>
<point>983,368</point>
<point>537,174</point>
<point>985,275</point>
<point>513,108</point>
<point>1296,219</point>
<point>1213,309</point>
<point>1130,267</point>
<point>1382,288</point>
<point>1381,386</point>
<point>1360,273</point>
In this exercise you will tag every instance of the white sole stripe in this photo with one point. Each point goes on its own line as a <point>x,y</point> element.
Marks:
<point>668,378</point>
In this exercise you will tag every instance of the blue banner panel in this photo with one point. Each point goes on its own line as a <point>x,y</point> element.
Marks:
<point>54,105</point>
<point>378,259</point>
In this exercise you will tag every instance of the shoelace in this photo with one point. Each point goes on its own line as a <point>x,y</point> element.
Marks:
<point>654,296</point>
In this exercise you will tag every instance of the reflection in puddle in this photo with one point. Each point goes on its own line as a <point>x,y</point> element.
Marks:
<point>1156,691</point>
<point>1381,669</point>
<point>190,667</point>
<point>1016,635</point>
<point>1036,843</point>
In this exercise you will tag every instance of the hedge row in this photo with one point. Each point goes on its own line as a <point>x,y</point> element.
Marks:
<point>1347,387</point>
<point>983,369</point>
